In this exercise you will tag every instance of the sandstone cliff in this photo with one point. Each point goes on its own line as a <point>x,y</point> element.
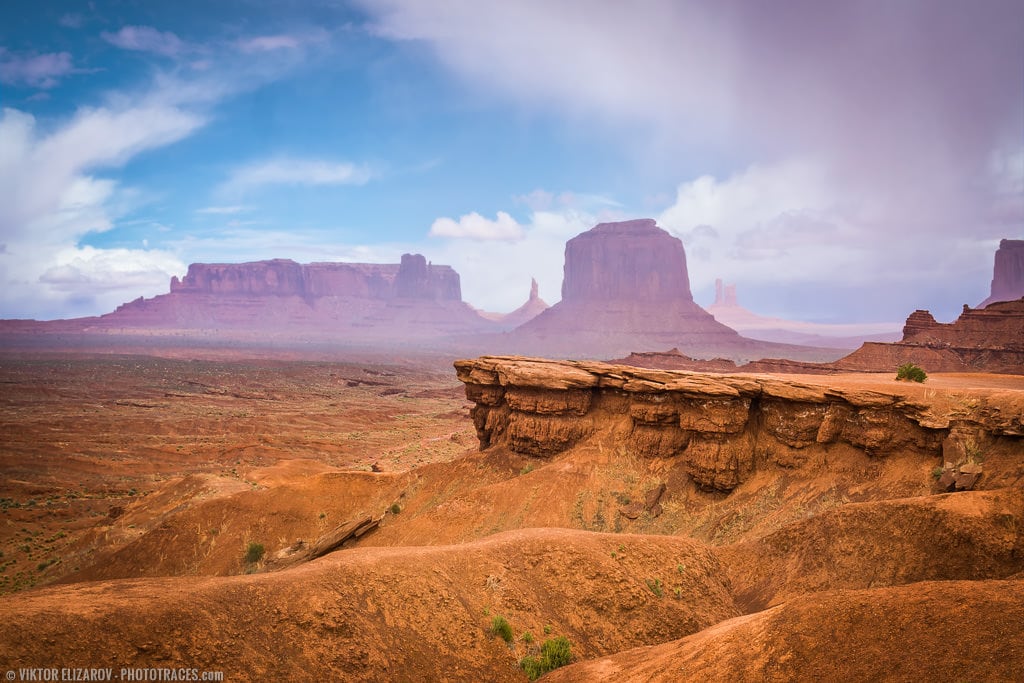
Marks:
<point>723,427</point>
<point>1008,273</point>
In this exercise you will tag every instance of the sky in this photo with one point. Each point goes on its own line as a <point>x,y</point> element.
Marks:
<point>837,161</point>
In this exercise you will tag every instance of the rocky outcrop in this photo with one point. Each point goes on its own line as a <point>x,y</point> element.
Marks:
<point>1008,273</point>
<point>724,427</point>
<point>980,340</point>
<point>989,339</point>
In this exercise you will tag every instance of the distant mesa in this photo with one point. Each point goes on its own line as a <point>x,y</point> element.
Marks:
<point>400,304</point>
<point>1008,273</point>
<point>728,311</point>
<point>626,286</point>
<point>413,278</point>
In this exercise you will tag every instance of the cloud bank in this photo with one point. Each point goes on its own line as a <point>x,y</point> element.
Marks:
<point>856,133</point>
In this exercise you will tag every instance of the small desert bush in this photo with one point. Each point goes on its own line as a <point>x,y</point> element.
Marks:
<point>554,653</point>
<point>911,372</point>
<point>395,508</point>
<point>655,587</point>
<point>501,627</point>
<point>254,552</point>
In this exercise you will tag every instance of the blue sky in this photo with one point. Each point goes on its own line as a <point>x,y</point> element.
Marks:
<point>840,162</point>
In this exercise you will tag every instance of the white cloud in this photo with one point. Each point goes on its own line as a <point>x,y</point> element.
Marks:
<point>268,43</point>
<point>124,272</point>
<point>892,109</point>
<point>146,39</point>
<point>291,171</point>
<point>496,274</point>
<point>35,70</point>
<point>222,210</point>
<point>475,227</point>
<point>51,199</point>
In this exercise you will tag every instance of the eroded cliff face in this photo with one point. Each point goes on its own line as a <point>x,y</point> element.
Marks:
<point>724,427</point>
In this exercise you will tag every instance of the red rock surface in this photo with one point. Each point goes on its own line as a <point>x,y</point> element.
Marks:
<point>1008,273</point>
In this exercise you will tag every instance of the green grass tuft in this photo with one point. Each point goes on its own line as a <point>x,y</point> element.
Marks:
<point>554,653</point>
<point>911,372</point>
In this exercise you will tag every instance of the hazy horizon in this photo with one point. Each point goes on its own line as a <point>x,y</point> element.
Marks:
<point>838,162</point>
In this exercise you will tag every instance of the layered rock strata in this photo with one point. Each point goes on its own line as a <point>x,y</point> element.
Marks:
<point>724,427</point>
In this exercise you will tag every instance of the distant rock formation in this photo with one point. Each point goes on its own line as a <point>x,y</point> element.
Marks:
<point>625,287</point>
<point>632,261</point>
<point>728,311</point>
<point>396,304</point>
<point>980,340</point>
<point>1008,273</point>
<point>989,339</point>
<point>533,307</point>
<point>413,278</point>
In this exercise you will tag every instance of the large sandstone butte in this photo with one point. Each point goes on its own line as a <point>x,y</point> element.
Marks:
<point>626,287</point>
<point>280,300</point>
<point>1008,273</point>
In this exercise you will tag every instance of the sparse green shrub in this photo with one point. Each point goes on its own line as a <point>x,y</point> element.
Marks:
<point>937,472</point>
<point>527,637</point>
<point>527,468</point>
<point>679,593</point>
<point>254,552</point>
<point>547,629</point>
<point>501,627</point>
<point>911,372</point>
<point>554,653</point>
<point>395,508</point>
<point>655,587</point>
<point>681,568</point>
